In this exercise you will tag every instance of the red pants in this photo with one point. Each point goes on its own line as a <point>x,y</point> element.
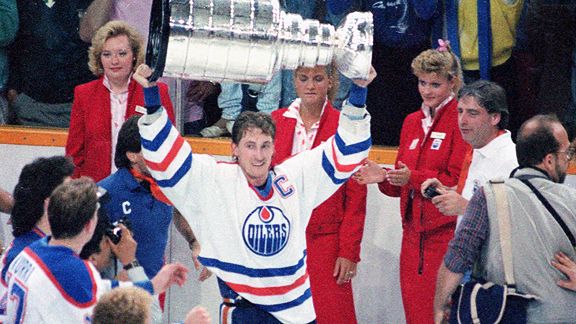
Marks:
<point>420,258</point>
<point>333,303</point>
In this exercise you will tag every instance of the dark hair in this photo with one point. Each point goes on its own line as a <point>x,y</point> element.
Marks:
<point>37,181</point>
<point>128,141</point>
<point>93,246</point>
<point>490,96</point>
<point>251,119</point>
<point>72,205</point>
<point>536,139</point>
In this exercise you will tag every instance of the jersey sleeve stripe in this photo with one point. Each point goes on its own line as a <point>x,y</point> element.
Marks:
<point>154,144</point>
<point>146,285</point>
<point>353,148</point>
<point>251,272</point>
<point>268,291</point>
<point>330,171</point>
<point>169,183</point>
<point>165,163</point>
<point>346,168</point>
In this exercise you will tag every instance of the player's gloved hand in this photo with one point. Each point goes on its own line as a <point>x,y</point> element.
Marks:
<point>151,94</point>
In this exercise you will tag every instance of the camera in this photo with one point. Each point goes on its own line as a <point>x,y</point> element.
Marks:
<point>431,192</point>
<point>114,232</point>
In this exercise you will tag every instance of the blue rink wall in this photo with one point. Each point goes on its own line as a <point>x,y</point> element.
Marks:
<point>376,288</point>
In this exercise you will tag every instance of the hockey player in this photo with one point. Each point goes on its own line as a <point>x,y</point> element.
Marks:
<point>29,217</point>
<point>251,219</point>
<point>48,282</point>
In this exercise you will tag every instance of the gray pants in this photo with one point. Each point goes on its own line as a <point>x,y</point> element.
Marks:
<point>30,112</point>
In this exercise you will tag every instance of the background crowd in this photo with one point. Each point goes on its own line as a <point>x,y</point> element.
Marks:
<point>527,47</point>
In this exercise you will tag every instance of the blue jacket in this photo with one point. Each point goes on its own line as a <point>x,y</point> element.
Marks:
<point>149,218</point>
<point>397,23</point>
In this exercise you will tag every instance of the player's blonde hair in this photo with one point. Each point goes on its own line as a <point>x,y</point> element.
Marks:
<point>112,29</point>
<point>443,63</point>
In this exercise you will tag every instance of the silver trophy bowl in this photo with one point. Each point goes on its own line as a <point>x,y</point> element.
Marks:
<point>250,40</point>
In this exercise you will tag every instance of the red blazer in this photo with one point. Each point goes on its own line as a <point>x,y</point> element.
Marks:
<point>90,137</point>
<point>344,212</point>
<point>438,155</point>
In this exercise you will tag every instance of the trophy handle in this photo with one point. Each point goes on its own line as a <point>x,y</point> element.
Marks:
<point>158,38</point>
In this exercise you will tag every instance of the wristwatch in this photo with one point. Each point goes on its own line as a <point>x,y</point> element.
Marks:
<point>131,265</point>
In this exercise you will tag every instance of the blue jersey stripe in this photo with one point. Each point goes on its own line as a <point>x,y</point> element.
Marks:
<point>283,306</point>
<point>146,285</point>
<point>159,139</point>
<point>329,169</point>
<point>354,148</point>
<point>178,175</point>
<point>251,272</point>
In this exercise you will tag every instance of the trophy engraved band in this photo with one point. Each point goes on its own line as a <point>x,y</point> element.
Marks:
<point>250,40</point>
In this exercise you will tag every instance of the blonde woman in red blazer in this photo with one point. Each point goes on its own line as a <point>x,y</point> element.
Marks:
<point>334,233</point>
<point>431,146</point>
<point>115,53</point>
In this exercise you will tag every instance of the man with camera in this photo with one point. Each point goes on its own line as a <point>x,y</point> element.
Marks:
<point>482,119</point>
<point>114,240</point>
<point>135,199</point>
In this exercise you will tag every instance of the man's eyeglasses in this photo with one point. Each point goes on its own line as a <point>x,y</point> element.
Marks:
<point>569,154</point>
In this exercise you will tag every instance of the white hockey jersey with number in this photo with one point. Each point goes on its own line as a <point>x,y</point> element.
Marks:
<point>51,284</point>
<point>254,240</point>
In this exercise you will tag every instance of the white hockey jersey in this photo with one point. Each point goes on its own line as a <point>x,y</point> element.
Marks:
<point>256,244</point>
<point>51,284</point>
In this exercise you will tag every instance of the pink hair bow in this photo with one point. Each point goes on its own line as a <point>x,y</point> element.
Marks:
<point>443,45</point>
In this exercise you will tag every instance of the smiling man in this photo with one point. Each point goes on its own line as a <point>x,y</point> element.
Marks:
<point>482,119</point>
<point>250,218</point>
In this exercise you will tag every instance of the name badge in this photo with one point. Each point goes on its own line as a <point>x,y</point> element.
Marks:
<point>438,135</point>
<point>413,144</point>
<point>141,110</point>
<point>436,144</point>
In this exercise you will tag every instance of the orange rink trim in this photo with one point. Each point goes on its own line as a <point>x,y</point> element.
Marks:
<point>33,136</point>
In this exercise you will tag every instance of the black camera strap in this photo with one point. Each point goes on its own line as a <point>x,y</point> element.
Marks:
<point>551,210</point>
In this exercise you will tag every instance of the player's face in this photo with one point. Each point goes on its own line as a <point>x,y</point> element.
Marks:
<point>478,127</point>
<point>103,259</point>
<point>434,89</point>
<point>117,59</point>
<point>312,85</point>
<point>138,162</point>
<point>254,154</point>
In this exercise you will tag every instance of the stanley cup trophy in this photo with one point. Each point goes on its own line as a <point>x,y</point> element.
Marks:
<point>250,40</point>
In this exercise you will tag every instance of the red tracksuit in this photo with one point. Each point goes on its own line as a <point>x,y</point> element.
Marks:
<point>335,229</point>
<point>90,133</point>
<point>426,231</point>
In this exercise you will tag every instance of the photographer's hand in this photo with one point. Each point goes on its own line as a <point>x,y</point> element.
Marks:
<point>450,203</point>
<point>125,250</point>
<point>430,182</point>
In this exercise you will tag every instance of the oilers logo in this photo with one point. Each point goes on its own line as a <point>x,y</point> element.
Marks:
<point>266,230</point>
